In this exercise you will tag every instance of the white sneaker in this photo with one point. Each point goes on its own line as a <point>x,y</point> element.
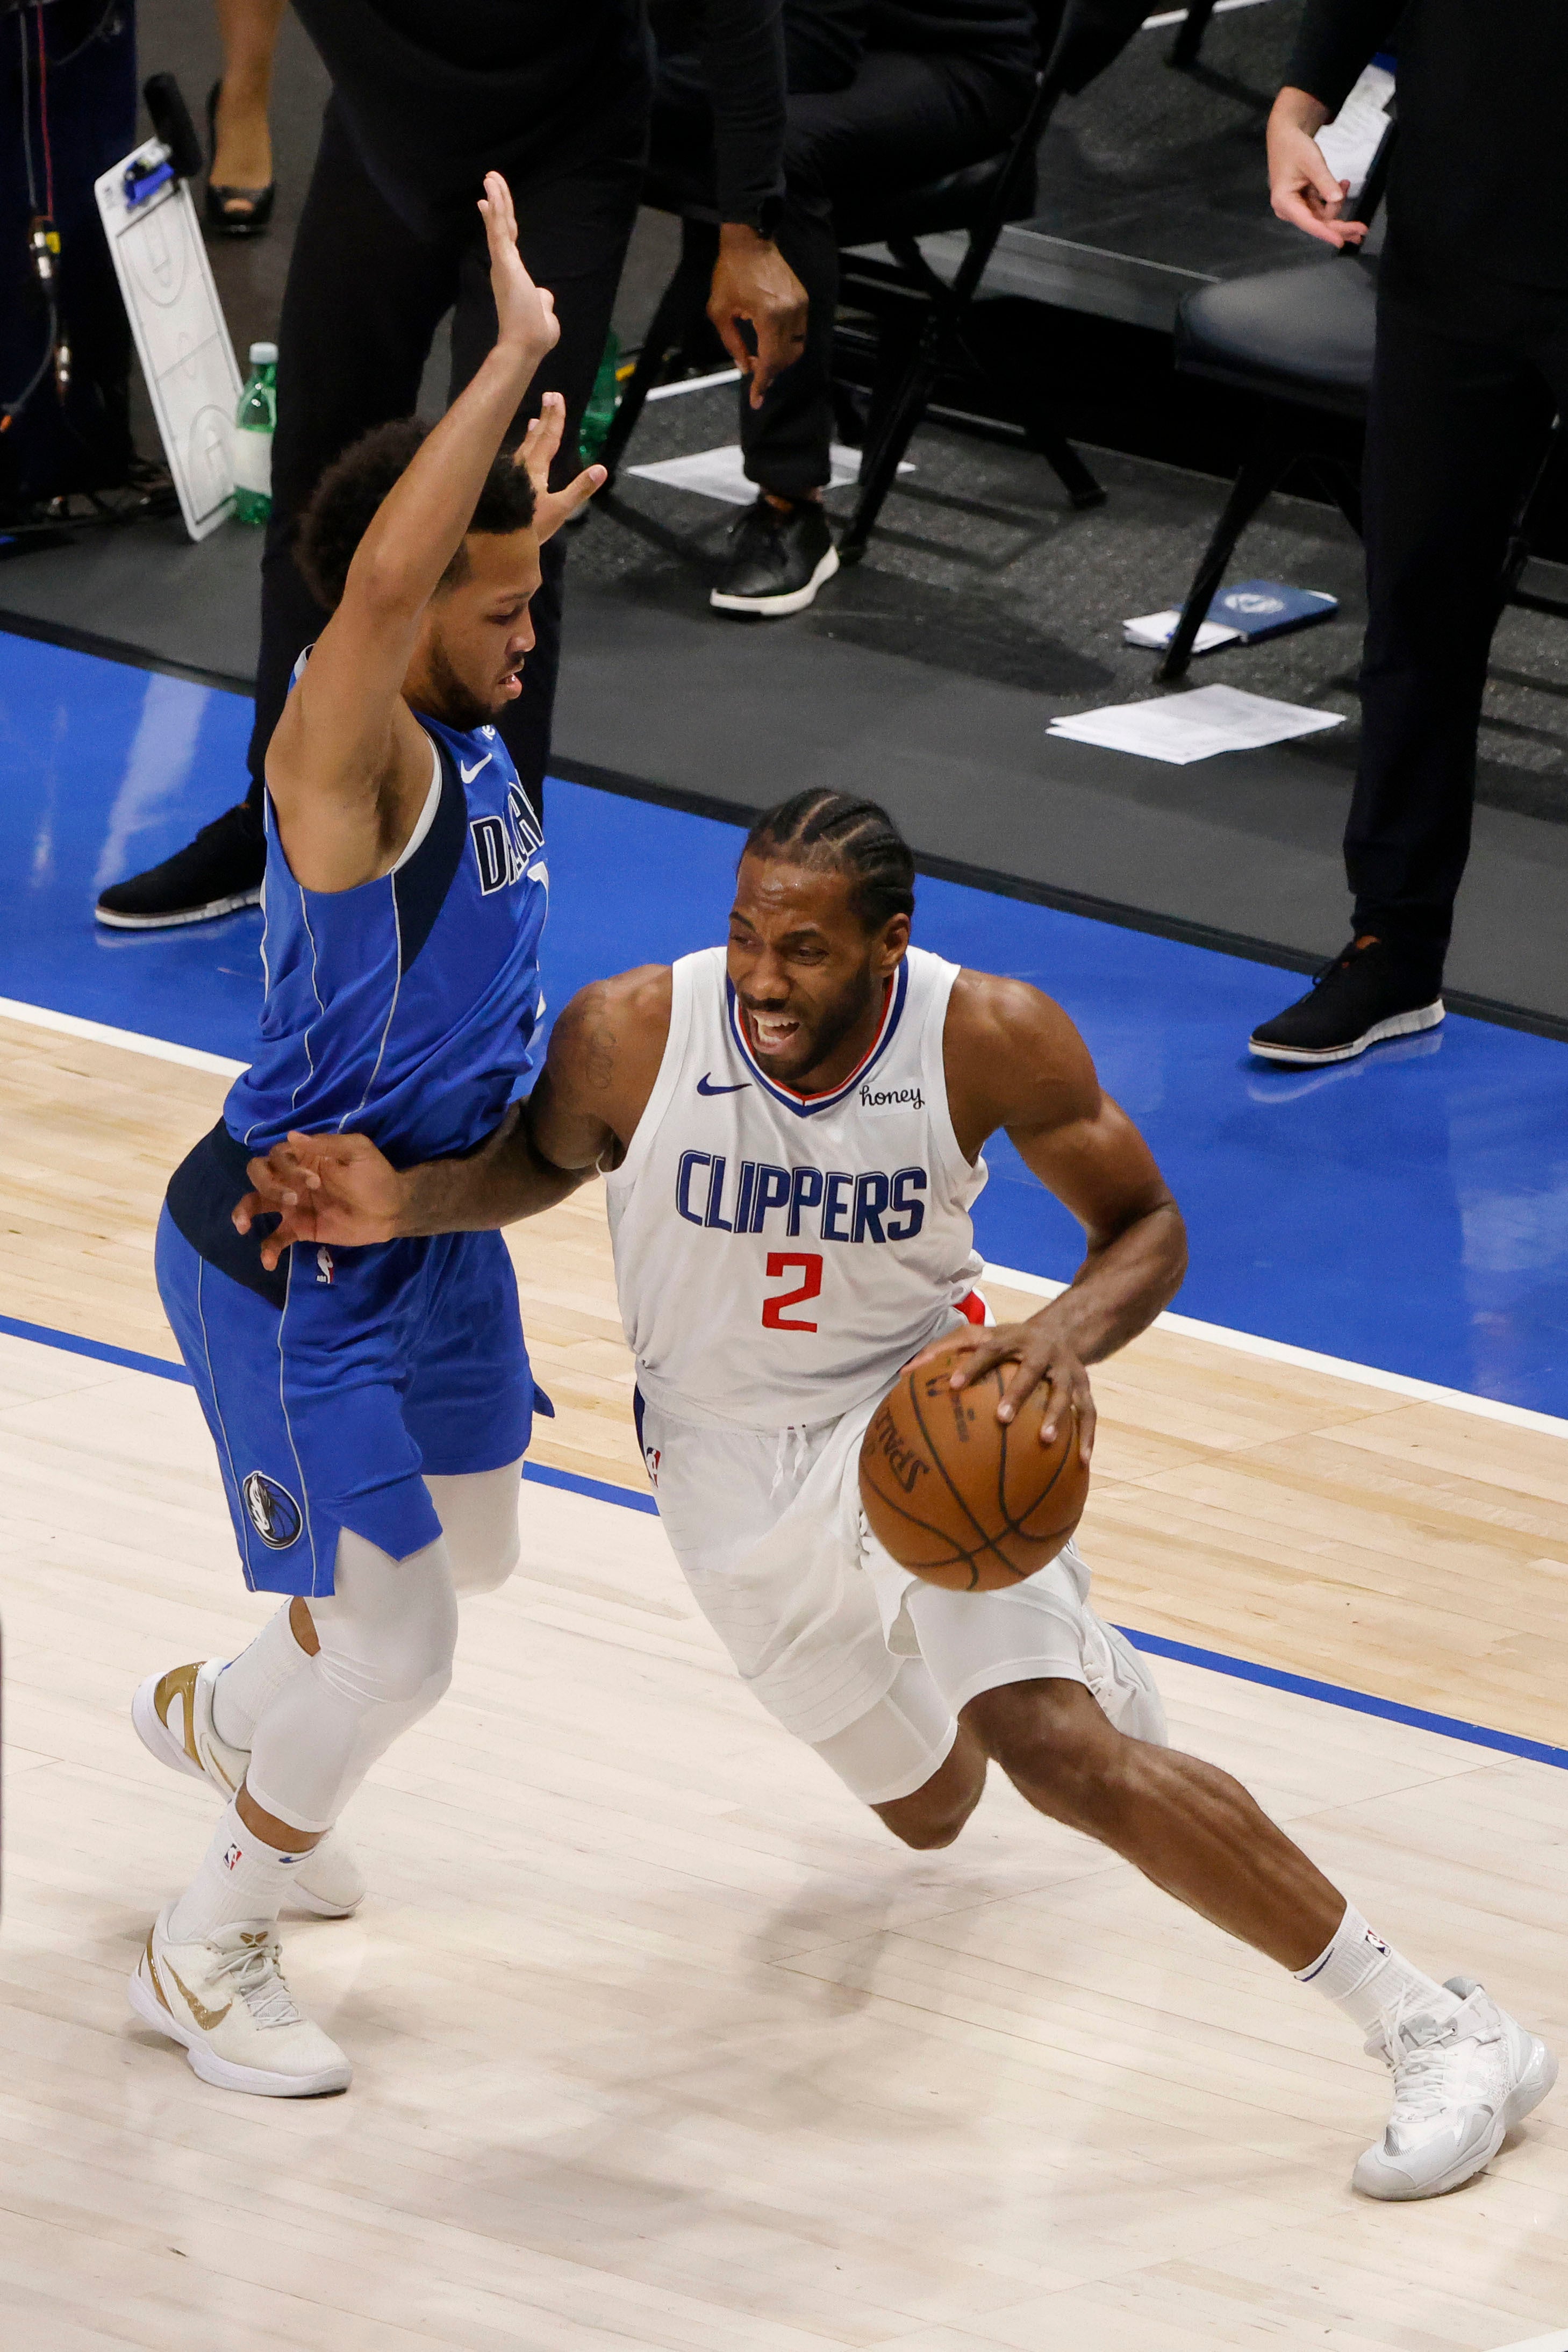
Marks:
<point>172,1714</point>
<point>1462,2083</point>
<point>227,2003</point>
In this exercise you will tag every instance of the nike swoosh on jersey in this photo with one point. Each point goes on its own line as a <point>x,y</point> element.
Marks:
<point>706,1086</point>
<point>468,774</point>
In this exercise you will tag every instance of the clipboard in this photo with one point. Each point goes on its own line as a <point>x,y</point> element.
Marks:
<point>181,334</point>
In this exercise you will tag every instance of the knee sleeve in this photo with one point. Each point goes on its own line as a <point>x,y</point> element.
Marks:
<point>387,1636</point>
<point>479,1515</point>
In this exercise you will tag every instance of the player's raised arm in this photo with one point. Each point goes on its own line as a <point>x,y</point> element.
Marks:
<point>347,760</point>
<point>1016,1062</point>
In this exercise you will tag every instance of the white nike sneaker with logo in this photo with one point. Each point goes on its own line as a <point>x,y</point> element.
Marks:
<point>227,2004</point>
<point>1462,2083</point>
<point>172,1714</point>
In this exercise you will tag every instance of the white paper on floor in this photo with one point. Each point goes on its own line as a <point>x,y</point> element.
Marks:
<point>1155,631</point>
<point>717,473</point>
<point>1181,727</point>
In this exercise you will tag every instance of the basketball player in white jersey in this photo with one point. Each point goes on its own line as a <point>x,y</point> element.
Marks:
<point>791,1130</point>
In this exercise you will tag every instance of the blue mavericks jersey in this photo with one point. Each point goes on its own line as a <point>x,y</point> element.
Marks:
<point>406,1009</point>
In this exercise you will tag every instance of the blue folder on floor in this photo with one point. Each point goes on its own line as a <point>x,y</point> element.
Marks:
<point>1266,608</point>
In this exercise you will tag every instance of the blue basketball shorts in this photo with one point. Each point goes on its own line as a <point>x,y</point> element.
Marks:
<point>382,1364</point>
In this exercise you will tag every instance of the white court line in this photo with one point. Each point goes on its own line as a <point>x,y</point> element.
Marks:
<point>1558,2343</point>
<point>732,375</point>
<point>1244,1343</point>
<point>39,1016</point>
<point>1179,15</point>
<point>1339,1368</point>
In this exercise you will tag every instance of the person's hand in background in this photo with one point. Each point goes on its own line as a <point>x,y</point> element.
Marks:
<point>1302,188</point>
<point>752,280</point>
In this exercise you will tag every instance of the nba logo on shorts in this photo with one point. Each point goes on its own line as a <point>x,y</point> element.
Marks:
<point>272,1511</point>
<point>652,1456</point>
<point>324,1269</point>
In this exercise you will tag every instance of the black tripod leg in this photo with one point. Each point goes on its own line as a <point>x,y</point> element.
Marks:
<point>1261,472</point>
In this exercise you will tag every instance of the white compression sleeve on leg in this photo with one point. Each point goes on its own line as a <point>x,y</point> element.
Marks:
<point>479,1515</point>
<point>249,1682</point>
<point>387,1635</point>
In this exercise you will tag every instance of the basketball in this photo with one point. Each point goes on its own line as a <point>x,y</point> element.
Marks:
<point>959,1497</point>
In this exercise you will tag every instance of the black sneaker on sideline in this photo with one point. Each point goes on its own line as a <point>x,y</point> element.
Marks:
<point>1373,990</point>
<point>220,870</point>
<point>779,562</point>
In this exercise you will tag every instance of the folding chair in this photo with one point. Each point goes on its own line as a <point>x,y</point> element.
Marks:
<point>1079,41</point>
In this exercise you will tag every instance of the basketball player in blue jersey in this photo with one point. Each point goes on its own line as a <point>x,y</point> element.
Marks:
<point>370,1407</point>
<point>793,1129</point>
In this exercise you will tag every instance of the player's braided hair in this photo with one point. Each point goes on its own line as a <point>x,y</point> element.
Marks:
<point>823,828</point>
<point>344,502</point>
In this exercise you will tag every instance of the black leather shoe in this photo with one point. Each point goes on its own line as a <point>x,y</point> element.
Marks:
<point>1374,990</point>
<point>258,202</point>
<point>779,562</point>
<point>220,870</point>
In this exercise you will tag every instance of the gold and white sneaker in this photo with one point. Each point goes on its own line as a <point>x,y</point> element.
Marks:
<point>1462,2083</point>
<point>172,1714</point>
<point>226,2003</point>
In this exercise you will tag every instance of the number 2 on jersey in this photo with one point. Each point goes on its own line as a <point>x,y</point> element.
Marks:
<point>780,1263</point>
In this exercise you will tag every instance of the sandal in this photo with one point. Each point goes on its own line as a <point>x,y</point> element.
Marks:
<point>218,199</point>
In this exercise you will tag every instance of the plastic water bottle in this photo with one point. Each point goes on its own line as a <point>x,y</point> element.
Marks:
<point>254,421</point>
<point>602,401</point>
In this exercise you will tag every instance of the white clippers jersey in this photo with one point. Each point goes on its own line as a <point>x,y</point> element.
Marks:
<point>779,1255</point>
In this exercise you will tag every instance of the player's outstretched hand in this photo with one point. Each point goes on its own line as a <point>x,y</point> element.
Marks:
<point>525,313</point>
<point>1042,1352</point>
<point>537,454</point>
<point>322,1187</point>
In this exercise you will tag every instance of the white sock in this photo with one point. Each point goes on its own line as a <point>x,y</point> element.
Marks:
<point>240,1877</point>
<point>247,1682</point>
<point>1370,1980</point>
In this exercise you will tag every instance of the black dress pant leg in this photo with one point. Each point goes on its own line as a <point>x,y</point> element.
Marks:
<point>903,120</point>
<point>362,301</point>
<point>572,234</point>
<point>1456,427</point>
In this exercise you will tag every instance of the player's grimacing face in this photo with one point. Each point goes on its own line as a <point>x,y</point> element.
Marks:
<point>802,963</point>
<point>477,632</point>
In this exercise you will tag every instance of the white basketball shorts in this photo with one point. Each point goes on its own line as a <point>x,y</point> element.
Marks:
<point>865,1663</point>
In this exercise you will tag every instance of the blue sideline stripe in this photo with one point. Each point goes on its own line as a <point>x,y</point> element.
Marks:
<point>598,1490</point>
<point>126,1358</point>
<point>1393,1710</point>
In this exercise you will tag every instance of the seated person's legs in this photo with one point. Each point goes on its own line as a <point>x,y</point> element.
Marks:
<point>903,119</point>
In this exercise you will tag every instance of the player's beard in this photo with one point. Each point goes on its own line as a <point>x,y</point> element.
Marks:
<point>453,703</point>
<point>826,1034</point>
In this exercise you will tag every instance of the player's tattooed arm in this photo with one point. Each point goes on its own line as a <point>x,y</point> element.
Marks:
<point>1016,1062</point>
<point>340,1189</point>
<point>604,1058</point>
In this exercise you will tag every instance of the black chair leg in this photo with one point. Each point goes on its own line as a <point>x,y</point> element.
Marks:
<point>884,452</point>
<point>1262,470</point>
<point>1189,37</point>
<point>1063,459</point>
<point>681,307</point>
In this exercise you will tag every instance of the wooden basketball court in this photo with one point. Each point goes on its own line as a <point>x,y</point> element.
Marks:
<point>660,2041</point>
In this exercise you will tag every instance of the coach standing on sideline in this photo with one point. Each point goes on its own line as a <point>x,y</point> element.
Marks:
<point>427,95</point>
<point>1472,358</point>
